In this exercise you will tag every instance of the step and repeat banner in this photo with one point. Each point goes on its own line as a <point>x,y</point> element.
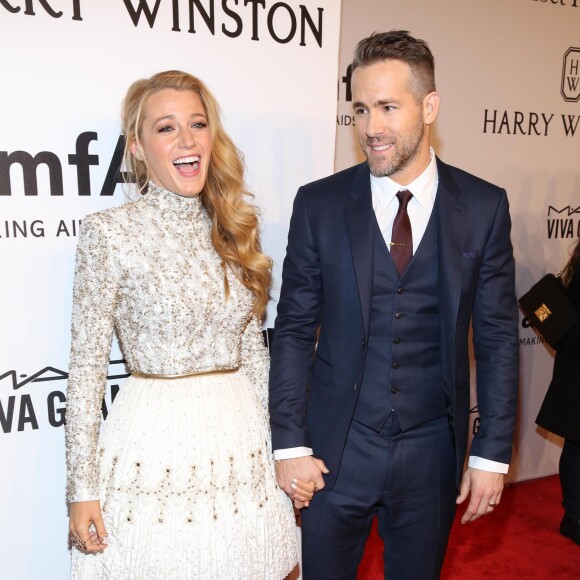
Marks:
<point>508,74</point>
<point>65,66</point>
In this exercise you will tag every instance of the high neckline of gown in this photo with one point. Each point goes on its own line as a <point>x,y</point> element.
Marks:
<point>179,203</point>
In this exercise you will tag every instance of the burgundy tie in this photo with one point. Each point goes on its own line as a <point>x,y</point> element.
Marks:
<point>402,236</point>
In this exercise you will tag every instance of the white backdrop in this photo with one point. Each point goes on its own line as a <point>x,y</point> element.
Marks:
<point>509,78</point>
<point>65,66</point>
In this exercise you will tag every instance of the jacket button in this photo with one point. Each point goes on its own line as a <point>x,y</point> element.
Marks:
<point>400,290</point>
<point>355,386</point>
<point>394,390</point>
<point>398,315</point>
<point>395,365</point>
<point>396,340</point>
<point>364,344</point>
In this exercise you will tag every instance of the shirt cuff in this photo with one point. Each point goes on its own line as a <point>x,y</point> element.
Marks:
<point>487,464</point>
<point>292,453</point>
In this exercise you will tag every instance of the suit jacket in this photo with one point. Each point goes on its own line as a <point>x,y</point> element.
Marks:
<point>560,411</point>
<point>327,288</point>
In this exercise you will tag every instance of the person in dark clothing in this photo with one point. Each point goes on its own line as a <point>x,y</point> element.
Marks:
<point>560,411</point>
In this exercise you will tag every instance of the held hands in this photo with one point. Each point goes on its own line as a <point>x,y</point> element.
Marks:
<point>485,487</point>
<point>82,515</point>
<point>300,478</point>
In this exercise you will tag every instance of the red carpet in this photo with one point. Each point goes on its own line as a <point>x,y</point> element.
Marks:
<point>519,540</point>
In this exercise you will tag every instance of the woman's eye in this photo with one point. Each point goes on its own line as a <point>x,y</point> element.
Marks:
<point>199,125</point>
<point>165,129</point>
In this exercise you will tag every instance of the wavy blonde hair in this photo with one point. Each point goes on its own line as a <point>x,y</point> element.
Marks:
<point>235,221</point>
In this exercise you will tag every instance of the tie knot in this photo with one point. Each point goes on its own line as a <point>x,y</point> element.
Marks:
<point>404,196</point>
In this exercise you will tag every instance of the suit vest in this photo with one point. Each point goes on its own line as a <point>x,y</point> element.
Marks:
<point>403,362</point>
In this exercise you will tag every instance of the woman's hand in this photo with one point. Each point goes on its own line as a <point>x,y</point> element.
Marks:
<point>303,492</point>
<point>82,515</point>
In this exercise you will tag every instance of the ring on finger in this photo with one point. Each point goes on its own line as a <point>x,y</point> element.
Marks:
<point>78,543</point>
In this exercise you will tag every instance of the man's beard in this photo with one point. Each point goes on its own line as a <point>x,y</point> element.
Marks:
<point>405,150</point>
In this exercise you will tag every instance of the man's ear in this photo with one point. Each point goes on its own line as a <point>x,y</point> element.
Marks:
<point>430,108</point>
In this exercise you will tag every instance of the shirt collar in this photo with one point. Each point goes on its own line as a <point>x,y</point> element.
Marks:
<point>423,187</point>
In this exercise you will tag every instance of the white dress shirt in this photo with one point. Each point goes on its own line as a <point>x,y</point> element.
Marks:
<point>385,205</point>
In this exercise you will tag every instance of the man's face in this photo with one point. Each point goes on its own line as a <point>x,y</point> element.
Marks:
<point>390,123</point>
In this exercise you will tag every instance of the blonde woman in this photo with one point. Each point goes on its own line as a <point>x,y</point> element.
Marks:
<point>180,483</point>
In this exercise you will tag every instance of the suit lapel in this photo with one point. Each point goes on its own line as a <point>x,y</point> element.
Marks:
<point>450,238</point>
<point>359,219</point>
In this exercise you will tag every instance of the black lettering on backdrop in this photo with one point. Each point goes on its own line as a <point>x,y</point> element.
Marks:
<point>347,81</point>
<point>27,414</point>
<point>114,173</point>
<point>104,410</point>
<point>290,36</point>
<point>45,5</point>
<point>143,7</point>
<point>570,84</point>
<point>7,414</point>
<point>56,415</point>
<point>81,159</point>
<point>9,7</point>
<point>176,16</point>
<point>561,228</point>
<point>307,19</point>
<point>19,411</point>
<point>282,21</point>
<point>571,3</point>
<point>516,123</point>
<point>29,166</point>
<point>68,231</point>
<point>570,124</point>
<point>14,229</point>
<point>234,16</point>
<point>570,210</point>
<point>209,19</point>
<point>255,15</point>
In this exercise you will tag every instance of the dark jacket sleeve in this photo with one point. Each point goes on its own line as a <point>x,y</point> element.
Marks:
<point>299,311</point>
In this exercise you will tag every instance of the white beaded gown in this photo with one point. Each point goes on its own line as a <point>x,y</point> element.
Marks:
<point>182,467</point>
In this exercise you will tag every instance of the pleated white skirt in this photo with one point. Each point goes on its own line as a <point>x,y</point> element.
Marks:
<point>188,487</point>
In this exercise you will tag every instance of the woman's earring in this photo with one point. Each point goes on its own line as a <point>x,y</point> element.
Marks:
<point>139,155</point>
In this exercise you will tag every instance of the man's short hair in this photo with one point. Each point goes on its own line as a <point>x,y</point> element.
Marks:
<point>400,45</point>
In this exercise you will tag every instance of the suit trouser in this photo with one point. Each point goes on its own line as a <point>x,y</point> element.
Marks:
<point>408,480</point>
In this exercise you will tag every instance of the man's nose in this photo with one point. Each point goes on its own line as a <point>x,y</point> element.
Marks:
<point>375,125</point>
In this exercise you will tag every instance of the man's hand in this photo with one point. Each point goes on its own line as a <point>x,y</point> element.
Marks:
<point>485,488</point>
<point>300,478</point>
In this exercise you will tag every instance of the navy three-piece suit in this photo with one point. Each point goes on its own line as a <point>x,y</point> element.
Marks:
<point>360,349</point>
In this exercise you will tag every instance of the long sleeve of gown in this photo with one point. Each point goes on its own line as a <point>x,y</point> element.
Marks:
<point>256,360</point>
<point>93,310</point>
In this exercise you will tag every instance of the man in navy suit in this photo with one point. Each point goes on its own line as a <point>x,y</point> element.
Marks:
<point>388,263</point>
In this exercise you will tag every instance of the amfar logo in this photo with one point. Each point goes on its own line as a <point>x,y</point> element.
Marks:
<point>81,159</point>
<point>570,87</point>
